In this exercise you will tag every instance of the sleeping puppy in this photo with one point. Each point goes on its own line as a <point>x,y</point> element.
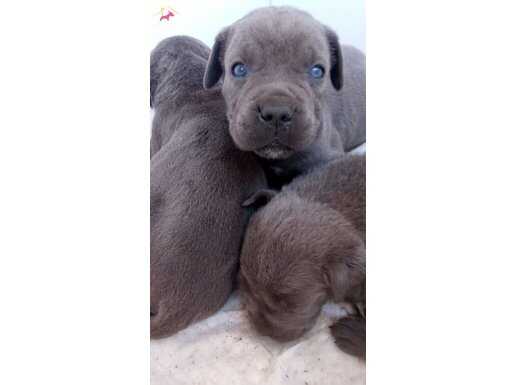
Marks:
<point>304,247</point>
<point>294,96</point>
<point>198,179</point>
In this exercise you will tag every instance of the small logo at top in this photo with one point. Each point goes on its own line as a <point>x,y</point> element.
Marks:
<point>167,13</point>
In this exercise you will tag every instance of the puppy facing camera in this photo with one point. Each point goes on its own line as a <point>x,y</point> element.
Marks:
<point>249,170</point>
<point>292,92</point>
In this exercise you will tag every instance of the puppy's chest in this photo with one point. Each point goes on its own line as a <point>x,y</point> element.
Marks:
<point>281,174</point>
<point>278,176</point>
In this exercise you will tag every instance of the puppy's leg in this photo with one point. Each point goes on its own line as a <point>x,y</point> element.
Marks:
<point>350,335</point>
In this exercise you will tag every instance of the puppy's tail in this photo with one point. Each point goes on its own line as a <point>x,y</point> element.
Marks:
<point>350,335</point>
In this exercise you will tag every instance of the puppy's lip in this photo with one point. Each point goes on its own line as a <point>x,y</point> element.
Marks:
<point>275,150</point>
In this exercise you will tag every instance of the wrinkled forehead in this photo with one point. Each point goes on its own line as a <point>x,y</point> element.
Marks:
<point>278,39</point>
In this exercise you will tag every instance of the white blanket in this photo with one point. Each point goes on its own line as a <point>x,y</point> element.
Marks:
<point>225,350</point>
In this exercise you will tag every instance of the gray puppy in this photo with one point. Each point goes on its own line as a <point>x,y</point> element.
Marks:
<point>307,245</point>
<point>294,96</point>
<point>198,179</point>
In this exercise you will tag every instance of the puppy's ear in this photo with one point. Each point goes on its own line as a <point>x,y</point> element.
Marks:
<point>153,86</point>
<point>215,65</point>
<point>335,51</point>
<point>259,198</point>
<point>154,78</point>
<point>345,275</point>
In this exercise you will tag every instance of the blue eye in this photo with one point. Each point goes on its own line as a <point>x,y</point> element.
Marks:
<point>239,70</point>
<point>317,71</point>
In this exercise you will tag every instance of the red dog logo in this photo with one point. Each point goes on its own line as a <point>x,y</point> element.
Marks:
<point>167,13</point>
<point>167,16</point>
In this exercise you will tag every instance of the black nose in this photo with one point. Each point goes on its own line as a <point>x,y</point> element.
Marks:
<point>275,114</point>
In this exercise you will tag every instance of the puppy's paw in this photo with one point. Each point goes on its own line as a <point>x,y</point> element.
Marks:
<point>350,335</point>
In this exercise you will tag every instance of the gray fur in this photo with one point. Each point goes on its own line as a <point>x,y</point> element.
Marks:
<point>279,45</point>
<point>198,179</point>
<point>307,245</point>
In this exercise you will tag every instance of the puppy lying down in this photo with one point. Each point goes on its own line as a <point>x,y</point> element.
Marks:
<point>198,179</point>
<point>307,246</point>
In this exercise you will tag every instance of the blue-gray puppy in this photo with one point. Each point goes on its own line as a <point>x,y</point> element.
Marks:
<point>198,179</point>
<point>294,95</point>
<point>307,245</point>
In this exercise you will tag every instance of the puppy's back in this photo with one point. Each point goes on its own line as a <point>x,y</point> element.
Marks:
<point>339,184</point>
<point>197,181</point>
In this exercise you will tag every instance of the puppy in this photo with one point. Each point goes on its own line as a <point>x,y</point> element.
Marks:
<point>307,245</point>
<point>198,179</point>
<point>294,96</point>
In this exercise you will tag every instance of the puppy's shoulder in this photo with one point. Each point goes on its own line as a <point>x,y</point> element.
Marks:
<point>343,171</point>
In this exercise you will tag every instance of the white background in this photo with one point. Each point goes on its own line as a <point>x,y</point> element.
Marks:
<point>74,197</point>
<point>203,19</point>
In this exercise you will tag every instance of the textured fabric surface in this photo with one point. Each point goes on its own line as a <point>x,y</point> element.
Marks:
<point>225,350</point>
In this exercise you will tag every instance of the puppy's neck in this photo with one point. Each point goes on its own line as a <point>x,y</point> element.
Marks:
<point>282,171</point>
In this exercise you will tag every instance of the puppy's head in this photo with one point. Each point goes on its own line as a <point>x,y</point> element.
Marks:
<point>294,257</point>
<point>275,65</point>
<point>176,62</point>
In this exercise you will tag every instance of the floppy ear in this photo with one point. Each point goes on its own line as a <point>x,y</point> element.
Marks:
<point>154,77</point>
<point>215,66</point>
<point>345,275</point>
<point>153,86</point>
<point>335,51</point>
<point>259,198</point>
